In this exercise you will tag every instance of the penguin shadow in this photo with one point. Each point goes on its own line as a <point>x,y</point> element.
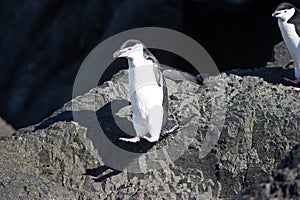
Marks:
<point>112,125</point>
<point>115,121</point>
<point>104,128</point>
<point>102,172</point>
<point>274,75</point>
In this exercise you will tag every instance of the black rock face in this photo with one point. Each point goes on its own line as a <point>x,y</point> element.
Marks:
<point>43,44</point>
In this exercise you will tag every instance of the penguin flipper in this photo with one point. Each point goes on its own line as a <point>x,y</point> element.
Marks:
<point>170,127</point>
<point>158,75</point>
<point>296,21</point>
<point>297,27</point>
<point>156,66</point>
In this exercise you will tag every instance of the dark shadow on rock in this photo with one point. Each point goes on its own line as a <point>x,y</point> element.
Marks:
<point>115,127</point>
<point>112,70</point>
<point>292,160</point>
<point>112,125</point>
<point>64,116</point>
<point>104,128</point>
<point>96,172</point>
<point>273,75</point>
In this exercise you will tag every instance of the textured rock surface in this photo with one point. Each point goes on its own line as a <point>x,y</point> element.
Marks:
<point>261,125</point>
<point>281,55</point>
<point>279,67</point>
<point>283,184</point>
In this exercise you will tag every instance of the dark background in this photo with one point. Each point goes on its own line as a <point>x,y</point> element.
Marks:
<point>43,42</point>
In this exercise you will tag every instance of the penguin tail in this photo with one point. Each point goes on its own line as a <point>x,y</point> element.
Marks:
<point>170,127</point>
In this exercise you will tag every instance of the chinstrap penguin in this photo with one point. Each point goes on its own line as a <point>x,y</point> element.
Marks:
<point>148,91</point>
<point>289,23</point>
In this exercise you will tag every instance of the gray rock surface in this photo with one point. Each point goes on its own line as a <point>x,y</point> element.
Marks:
<point>234,132</point>
<point>276,69</point>
<point>283,184</point>
<point>281,55</point>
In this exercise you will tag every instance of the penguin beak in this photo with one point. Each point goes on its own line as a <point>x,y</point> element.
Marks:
<point>274,14</point>
<point>116,54</point>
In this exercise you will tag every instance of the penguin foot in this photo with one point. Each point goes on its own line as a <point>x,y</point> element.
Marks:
<point>150,139</point>
<point>133,140</point>
<point>290,63</point>
<point>297,89</point>
<point>296,81</point>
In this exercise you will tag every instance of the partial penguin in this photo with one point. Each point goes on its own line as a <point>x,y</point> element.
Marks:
<point>289,23</point>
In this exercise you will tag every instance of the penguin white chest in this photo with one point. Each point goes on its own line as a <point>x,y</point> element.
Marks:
<point>145,93</point>
<point>145,99</point>
<point>291,38</point>
<point>292,41</point>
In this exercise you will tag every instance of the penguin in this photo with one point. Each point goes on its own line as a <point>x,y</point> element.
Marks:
<point>289,23</point>
<point>148,91</point>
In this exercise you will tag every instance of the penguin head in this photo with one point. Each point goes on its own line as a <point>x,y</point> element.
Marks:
<point>284,11</point>
<point>129,49</point>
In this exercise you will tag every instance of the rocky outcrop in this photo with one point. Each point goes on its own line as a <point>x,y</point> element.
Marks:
<point>233,133</point>
<point>283,184</point>
<point>281,56</point>
<point>279,67</point>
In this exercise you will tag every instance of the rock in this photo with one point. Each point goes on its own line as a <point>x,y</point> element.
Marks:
<point>233,133</point>
<point>43,44</point>
<point>283,184</point>
<point>281,56</point>
<point>5,129</point>
<point>273,75</point>
<point>279,67</point>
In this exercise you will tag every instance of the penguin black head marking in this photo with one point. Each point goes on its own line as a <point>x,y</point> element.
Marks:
<point>284,6</point>
<point>129,47</point>
<point>285,11</point>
